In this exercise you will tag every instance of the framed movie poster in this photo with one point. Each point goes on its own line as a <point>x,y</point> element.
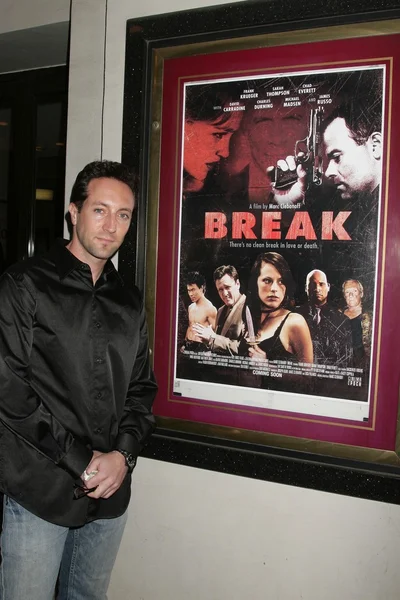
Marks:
<point>272,270</point>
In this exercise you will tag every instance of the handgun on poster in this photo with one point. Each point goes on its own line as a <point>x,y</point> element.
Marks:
<point>307,152</point>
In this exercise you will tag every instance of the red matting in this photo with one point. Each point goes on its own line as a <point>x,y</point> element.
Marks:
<point>380,430</point>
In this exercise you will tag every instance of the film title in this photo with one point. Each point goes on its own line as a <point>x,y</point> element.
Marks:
<point>243,224</point>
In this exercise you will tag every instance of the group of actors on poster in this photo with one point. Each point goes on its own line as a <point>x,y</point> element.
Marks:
<point>279,230</point>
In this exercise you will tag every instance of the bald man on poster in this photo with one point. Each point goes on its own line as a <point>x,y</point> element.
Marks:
<point>330,329</point>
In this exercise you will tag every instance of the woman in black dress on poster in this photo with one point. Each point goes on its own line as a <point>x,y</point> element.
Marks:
<point>281,333</point>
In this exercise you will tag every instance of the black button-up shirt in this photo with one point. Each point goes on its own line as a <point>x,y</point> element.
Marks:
<point>74,377</point>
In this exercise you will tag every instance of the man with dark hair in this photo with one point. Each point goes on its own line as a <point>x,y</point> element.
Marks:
<point>201,312</point>
<point>330,329</point>
<point>233,319</point>
<point>352,143</point>
<point>350,136</point>
<point>97,170</point>
<point>75,402</point>
<point>353,146</point>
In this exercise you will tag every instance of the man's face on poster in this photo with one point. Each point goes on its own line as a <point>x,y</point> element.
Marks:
<point>352,294</point>
<point>206,142</point>
<point>195,292</point>
<point>273,132</point>
<point>318,289</point>
<point>228,289</point>
<point>352,168</point>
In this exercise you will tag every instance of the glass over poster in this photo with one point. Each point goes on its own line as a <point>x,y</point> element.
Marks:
<point>272,200</point>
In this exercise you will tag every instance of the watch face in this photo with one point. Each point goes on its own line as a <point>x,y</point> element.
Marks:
<point>131,461</point>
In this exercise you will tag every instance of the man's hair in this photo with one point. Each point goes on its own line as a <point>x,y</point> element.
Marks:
<point>358,284</point>
<point>225,270</point>
<point>97,170</point>
<point>361,119</point>
<point>196,278</point>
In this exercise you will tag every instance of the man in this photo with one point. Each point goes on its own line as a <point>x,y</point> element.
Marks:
<point>353,147</point>
<point>230,327</point>
<point>330,329</point>
<point>201,312</point>
<point>352,143</point>
<point>75,400</point>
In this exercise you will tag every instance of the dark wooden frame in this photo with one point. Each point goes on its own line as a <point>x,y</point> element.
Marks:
<point>209,24</point>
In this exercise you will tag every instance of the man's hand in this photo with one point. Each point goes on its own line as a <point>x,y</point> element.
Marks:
<point>204,333</point>
<point>296,192</point>
<point>111,467</point>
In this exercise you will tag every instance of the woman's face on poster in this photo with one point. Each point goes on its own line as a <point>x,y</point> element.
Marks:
<point>271,289</point>
<point>205,144</point>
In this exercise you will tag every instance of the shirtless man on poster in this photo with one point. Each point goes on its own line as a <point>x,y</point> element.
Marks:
<point>200,312</point>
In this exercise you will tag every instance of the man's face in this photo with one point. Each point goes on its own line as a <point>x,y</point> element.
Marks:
<point>318,289</point>
<point>205,144</point>
<point>352,168</point>
<point>104,219</point>
<point>352,294</point>
<point>272,134</point>
<point>195,292</point>
<point>228,289</point>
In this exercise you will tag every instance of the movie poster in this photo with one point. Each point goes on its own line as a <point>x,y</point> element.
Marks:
<point>279,235</point>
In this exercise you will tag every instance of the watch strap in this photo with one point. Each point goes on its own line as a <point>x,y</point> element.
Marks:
<point>130,460</point>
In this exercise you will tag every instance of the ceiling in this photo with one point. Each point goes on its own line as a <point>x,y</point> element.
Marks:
<point>34,48</point>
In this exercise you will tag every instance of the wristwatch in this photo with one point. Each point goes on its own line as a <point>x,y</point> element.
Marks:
<point>130,460</point>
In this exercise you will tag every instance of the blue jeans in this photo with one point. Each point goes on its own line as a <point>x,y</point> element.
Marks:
<point>35,553</point>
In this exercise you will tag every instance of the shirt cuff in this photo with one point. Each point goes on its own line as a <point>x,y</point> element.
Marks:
<point>126,441</point>
<point>76,459</point>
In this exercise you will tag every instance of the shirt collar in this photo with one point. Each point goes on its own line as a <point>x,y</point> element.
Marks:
<point>66,262</point>
<point>322,308</point>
